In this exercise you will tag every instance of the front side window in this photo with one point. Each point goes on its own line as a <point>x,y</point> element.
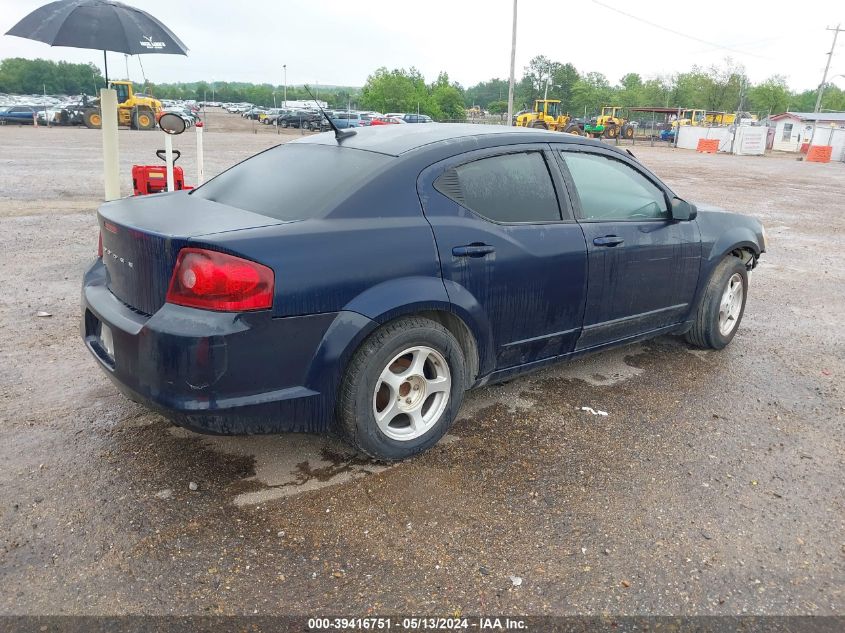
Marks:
<point>122,93</point>
<point>787,132</point>
<point>506,188</point>
<point>609,189</point>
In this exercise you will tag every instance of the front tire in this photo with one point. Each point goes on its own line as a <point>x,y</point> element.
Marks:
<point>92,119</point>
<point>402,389</point>
<point>722,305</point>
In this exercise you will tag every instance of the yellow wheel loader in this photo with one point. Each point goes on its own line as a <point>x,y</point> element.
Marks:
<point>135,111</point>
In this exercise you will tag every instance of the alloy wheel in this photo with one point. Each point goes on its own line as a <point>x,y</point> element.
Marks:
<point>411,393</point>
<point>731,304</point>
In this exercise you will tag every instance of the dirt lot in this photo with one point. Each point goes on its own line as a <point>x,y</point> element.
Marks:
<point>714,486</point>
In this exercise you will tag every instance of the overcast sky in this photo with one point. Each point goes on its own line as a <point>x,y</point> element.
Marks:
<point>340,43</point>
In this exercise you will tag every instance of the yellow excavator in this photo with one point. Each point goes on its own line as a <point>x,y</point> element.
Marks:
<point>547,116</point>
<point>135,111</point>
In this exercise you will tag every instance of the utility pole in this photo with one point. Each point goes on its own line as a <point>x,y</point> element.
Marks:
<point>836,33</point>
<point>548,79</point>
<point>285,67</point>
<point>513,63</point>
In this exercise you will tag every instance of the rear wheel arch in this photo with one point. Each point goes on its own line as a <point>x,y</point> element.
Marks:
<point>440,314</point>
<point>462,333</point>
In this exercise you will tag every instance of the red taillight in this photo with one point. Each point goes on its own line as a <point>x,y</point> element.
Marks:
<point>100,245</point>
<point>216,281</point>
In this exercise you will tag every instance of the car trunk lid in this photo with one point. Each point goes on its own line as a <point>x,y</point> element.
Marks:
<point>142,237</point>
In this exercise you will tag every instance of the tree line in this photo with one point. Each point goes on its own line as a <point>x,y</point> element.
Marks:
<point>39,76</point>
<point>723,87</point>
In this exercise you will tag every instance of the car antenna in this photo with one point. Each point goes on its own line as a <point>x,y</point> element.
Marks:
<point>338,133</point>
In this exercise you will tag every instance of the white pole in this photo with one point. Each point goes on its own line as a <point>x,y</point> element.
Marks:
<point>200,166</point>
<point>111,153</point>
<point>513,64</point>
<point>168,157</point>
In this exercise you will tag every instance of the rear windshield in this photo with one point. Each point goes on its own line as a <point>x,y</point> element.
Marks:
<point>294,181</point>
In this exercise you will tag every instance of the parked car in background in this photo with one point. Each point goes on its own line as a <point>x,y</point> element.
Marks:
<point>367,117</point>
<point>270,115</point>
<point>253,114</point>
<point>416,118</point>
<point>22,115</point>
<point>440,258</point>
<point>189,116</point>
<point>383,120</point>
<point>351,119</point>
<point>298,119</point>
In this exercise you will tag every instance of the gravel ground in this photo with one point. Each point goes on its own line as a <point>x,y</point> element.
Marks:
<point>714,486</point>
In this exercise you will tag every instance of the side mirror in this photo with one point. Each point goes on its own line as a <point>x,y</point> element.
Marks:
<point>683,210</point>
<point>171,123</point>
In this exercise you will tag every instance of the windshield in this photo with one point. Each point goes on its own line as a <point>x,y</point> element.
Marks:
<point>287,181</point>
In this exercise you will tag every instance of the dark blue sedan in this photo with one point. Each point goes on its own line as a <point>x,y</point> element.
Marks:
<point>23,115</point>
<point>425,260</point>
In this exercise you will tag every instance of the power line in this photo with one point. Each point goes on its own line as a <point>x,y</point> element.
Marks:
<point>678,33</point>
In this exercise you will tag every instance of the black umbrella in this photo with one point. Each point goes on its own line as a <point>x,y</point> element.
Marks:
<point>101,25</point>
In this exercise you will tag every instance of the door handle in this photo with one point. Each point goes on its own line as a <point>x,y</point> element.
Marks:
<point>473,250</point>
<point>608,240</point>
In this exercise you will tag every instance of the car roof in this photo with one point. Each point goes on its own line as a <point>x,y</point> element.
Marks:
<point>396,140</point>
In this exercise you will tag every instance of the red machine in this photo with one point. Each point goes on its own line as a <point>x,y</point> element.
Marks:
<point>148,179</point>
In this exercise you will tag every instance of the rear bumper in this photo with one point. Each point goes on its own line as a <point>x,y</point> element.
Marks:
<point>215,372</point>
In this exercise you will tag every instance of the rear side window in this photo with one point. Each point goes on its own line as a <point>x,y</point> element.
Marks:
<point>507,188</point>
<point>612,190</point>
<point>294,181</point>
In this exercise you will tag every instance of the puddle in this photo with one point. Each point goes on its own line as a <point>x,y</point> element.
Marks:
<point>602,370</point>
<point>290,464</point>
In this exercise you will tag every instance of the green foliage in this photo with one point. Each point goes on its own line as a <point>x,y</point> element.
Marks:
<point>35,76</point>
<point>590,93</point>
<point>721,88</point>
<point>260,94</point>
<point>395,90</point>
<point>401,90</point>
<point>833,99</point>
<point>770,96</point>
<point>486,92</point>
<point>497,107</point>
<point>447,100</point>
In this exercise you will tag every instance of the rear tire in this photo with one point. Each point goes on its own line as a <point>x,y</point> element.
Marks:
<point>611,131</point>
<point>628,131</point>
<point>402,389</point>
<point>539,125</point>
<point>722,305</point>
<point>573,128</point>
